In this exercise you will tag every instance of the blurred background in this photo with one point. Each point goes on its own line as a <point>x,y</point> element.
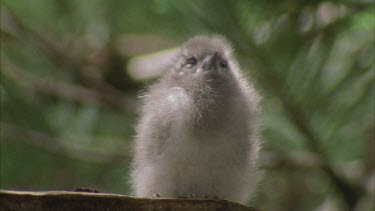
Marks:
<point>71,71</point>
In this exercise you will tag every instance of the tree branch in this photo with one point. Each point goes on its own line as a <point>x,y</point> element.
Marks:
<point>66,148</point>
<point>65,200</point>
<point>77,65</point>
<point>65,91</point>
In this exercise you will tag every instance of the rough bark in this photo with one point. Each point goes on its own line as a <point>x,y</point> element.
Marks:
<point>65,200</point>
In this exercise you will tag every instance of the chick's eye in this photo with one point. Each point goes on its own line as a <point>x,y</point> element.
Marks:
<point>224,64</point>
<point>191,61</point>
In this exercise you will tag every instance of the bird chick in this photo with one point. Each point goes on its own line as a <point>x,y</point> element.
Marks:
<point>197,133</point>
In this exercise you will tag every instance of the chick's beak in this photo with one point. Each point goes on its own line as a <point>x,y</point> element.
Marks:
<point>210,62</point>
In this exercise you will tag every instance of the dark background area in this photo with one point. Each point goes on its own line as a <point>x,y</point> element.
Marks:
<point>71,71</point>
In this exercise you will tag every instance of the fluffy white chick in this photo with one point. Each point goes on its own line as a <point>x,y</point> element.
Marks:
<point>197,133</point>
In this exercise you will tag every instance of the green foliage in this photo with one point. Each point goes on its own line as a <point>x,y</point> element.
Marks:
<point>68,103</point>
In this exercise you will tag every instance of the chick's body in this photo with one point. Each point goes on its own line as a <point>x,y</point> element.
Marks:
<point>197,132</point>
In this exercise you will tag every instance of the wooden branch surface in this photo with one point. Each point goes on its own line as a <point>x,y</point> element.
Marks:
<point>66,200</point>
